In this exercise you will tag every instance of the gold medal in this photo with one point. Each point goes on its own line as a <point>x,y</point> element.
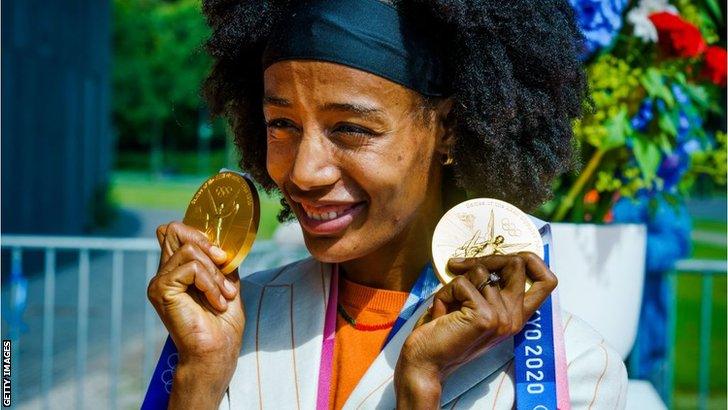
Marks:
<point>226,209</point>
<point>481,227</point>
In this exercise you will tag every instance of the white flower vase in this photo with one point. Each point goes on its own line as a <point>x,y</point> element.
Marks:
<point>601,271</point>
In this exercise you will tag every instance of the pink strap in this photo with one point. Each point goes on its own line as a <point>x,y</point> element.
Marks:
<point>327,347</point>
<point>562,382</point>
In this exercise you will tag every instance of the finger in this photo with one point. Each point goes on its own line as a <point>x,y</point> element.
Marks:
<point>479,316</point>
<point>492,295</point>
<point>189,252</point>
<point>537,269</point>
<point>194,273</point>
<point>544,282</point>
<point>512,292</point>
<point>508,311</point>
<point>513,275</point>
<point>177,234</point>
<point>460,291</point>
<point>234,279</point>
<point>161,233</point>
<point>494,263</point>
<point>438,309</point>
<point>490,292</point>
<point>478,276</point>
<point>491,262</point>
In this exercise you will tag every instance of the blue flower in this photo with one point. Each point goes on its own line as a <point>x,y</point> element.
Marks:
<point>680,96</point>
<point>683,124</point>
<point>673,167</point>
<point>668,228</point>
<point>664,249</point>
<point>599,21</point>
<point>628,210</point>
<point>690,146</point>
<point>644,115</point>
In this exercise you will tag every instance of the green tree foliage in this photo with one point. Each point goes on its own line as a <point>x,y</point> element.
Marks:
<point>159,65</point>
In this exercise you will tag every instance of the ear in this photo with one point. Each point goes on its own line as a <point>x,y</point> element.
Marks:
<point>445,126</point>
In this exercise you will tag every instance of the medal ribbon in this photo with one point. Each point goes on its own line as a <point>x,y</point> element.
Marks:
<point>424,285</point>
<point>540,359</point>
<point>160,386</point>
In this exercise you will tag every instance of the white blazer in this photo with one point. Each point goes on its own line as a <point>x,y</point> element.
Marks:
<point>278,364</point>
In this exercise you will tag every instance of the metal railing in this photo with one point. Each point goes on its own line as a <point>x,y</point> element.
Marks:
<point>264,254</point>
<point>707,270</point>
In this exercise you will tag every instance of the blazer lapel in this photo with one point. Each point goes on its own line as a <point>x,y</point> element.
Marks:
<point>376,388</point>
<point>289,335</point>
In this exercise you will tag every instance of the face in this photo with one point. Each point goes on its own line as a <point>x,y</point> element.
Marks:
<point>353,154</point>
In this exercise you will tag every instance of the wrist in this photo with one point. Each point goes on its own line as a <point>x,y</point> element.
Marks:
<point>211,362</point>
<point>200,384</point>
<point>417,387</point>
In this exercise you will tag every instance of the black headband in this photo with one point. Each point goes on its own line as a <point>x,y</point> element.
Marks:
<point>365,34</point>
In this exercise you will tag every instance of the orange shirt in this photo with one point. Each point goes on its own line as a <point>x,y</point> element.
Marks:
<point>355,350</point>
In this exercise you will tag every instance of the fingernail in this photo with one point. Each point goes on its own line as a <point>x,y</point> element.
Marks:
<point>217,252</point>
<point>457,260</point>
<point>223,302</point>
<point>229,286</point>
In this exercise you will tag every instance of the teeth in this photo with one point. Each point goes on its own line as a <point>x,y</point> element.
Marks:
<point>326,212</point>
<point>324,216</point>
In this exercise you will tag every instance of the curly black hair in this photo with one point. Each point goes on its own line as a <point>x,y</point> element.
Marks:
<point>513,68</point>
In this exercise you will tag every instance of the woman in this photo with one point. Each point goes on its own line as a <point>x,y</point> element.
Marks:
<point>372,120</point>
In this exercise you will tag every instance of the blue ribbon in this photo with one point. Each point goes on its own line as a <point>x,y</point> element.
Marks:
<point>423,287</point>
<point>160,386</point>
<point>535,360</point>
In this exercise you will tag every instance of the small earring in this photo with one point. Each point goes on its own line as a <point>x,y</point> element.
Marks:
<point>447,159</point>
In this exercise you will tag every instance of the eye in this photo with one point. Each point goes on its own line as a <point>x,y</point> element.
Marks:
<point>280,123</point>
<point>355,130</point>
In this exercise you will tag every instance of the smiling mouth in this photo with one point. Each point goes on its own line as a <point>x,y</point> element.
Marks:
<point>328,212</point>
<point>328,218</point>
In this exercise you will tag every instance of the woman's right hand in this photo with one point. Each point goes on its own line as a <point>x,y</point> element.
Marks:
<point>200,307</point>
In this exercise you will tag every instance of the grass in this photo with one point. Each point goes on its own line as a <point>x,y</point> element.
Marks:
<point>689,291</point>
<point>688,330</point>
<point>710,225</point>
<point>129,189</point>
<point>175,162</point>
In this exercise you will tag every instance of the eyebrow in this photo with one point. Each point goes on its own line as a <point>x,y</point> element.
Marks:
<point>357,108</point>
<point>275,100</point>
<point>361,109</point>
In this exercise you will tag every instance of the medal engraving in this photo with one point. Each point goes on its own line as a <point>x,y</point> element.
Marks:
<point>481,227</point>
<point>226,209</point>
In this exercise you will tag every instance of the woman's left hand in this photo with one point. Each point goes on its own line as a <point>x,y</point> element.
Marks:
<point>464,322</point>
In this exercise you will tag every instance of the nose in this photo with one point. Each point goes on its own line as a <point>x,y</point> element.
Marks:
<point>313,166</point>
